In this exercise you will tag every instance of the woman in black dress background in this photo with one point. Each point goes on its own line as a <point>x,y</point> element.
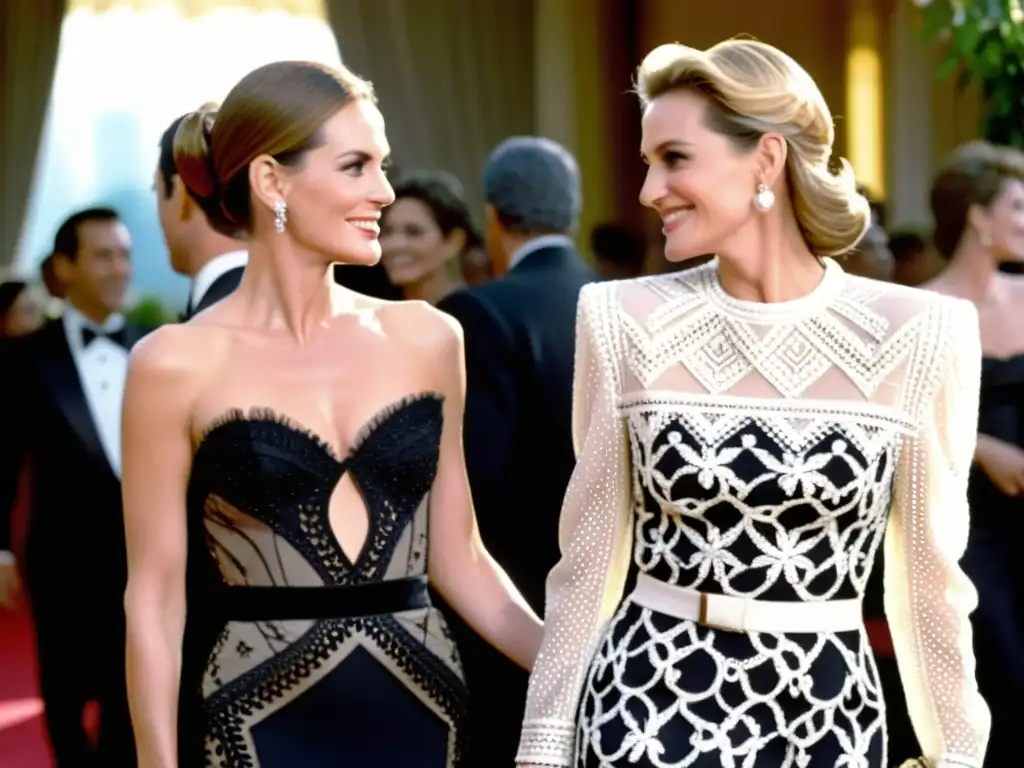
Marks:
<point>978,204</point>
<point>300,446</point>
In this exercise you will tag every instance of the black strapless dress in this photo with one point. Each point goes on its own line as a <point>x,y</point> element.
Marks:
<point>319,661</point>
<point>995,563</point>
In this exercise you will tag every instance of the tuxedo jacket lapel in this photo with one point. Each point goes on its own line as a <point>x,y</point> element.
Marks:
<point>58,374</point>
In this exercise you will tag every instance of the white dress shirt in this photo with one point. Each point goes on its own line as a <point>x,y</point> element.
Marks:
<point>102,368</point>
<point>544,241</point>
<point>211,271</point>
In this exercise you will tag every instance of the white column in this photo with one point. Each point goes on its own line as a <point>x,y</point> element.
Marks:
<point>910,120</point>
<point>554,69</point>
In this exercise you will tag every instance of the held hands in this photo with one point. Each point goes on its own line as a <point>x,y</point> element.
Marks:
<point>10,581</point>
<point>1003,463</point>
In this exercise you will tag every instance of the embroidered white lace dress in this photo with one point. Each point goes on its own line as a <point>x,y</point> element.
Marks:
<point>761,451</point>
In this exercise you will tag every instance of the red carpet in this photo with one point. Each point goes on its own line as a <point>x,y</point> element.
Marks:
<point>22,738</point>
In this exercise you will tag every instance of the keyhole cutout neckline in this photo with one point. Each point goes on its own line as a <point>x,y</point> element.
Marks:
<point>340,459</point>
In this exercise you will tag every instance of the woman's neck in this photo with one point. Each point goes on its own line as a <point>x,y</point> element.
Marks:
<point>432,288</point>
<point>286,290</point>
<point>773,265</point>
<point>971,274</point>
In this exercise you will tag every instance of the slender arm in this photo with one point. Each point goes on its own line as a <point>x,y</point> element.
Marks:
<point>595,529</point>
<point>928,598</point>
<point>462,570</point>
<point>157,456</point>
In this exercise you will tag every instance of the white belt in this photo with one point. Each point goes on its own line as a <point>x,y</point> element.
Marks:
<point>740,614</point>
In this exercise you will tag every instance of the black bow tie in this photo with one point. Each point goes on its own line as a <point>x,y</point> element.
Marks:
<point>90,334</point>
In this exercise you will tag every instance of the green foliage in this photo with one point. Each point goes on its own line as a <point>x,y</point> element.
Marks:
<point>984,42</point>
<point>149,312</point>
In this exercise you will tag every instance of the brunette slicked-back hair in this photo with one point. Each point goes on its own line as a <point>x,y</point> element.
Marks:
<point>279,110</point>
<point>973,175</point>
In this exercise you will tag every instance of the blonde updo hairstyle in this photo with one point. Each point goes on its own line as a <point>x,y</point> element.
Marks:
<point>752,89</point>
<point>278,110</point>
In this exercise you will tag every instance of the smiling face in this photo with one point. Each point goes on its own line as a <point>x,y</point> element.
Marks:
<point>700,183</point>
<point>414,247</point>
<point>336,194</point>
<point>98,274</point>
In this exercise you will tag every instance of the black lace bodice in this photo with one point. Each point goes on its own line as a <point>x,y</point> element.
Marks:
<point>261,485</point>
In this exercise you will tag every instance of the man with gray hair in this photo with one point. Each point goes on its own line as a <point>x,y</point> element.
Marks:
<point>520,343</point>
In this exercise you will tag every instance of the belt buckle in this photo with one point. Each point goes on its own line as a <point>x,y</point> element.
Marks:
<point>705,621</point>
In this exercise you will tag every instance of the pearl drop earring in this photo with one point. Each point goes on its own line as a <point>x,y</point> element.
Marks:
<point>764,200</point>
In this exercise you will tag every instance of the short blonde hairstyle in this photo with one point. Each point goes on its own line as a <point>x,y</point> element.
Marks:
<point>752,89</point>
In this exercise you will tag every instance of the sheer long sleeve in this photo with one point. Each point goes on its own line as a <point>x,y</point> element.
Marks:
<point>584,588</point>
<point>928,598</point>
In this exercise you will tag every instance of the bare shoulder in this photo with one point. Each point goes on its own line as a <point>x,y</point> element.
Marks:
<point>425,328</point>
<point>177,357</point>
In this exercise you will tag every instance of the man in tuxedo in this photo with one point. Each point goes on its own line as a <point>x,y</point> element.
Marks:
<point>520,340</point>
<point>61,424</point>
<point>213,259</point>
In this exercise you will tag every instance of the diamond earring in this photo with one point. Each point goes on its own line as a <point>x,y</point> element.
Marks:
<point>280,215</point>
<point>764,200</point>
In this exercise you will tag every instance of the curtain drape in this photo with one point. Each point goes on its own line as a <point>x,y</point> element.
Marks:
<point>31,38</point>
<point>453,77</point>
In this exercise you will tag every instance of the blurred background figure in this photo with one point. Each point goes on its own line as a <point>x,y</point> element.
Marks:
<point>22,309</point>
<point>51,280</point>
<point>519,331</point>
<point>212,258</point>
<point>915,260</point>
<point>977,200</point>
<point>424,235</point>
<point>476,262</point>
<point>65,435</point>
<point>619,251</point>
<point>872,257</point>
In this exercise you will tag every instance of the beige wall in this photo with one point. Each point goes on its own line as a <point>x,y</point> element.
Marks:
<point>811,31</point>
<point>573,94</point>
<point>927,117</point>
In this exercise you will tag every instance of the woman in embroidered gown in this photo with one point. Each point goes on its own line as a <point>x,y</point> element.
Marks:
<point>978,205</point>
<point>749,430</point>
<point>310,437</point>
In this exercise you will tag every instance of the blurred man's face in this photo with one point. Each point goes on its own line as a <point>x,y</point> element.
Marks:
<point>97,277</point>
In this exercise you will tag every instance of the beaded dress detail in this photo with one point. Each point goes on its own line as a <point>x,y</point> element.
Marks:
<point>324,658</point>
<point>761,451</point>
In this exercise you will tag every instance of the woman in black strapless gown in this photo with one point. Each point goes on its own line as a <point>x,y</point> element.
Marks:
<point>995,563</point>
<point>978,203</point>
<point>293,469</point>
